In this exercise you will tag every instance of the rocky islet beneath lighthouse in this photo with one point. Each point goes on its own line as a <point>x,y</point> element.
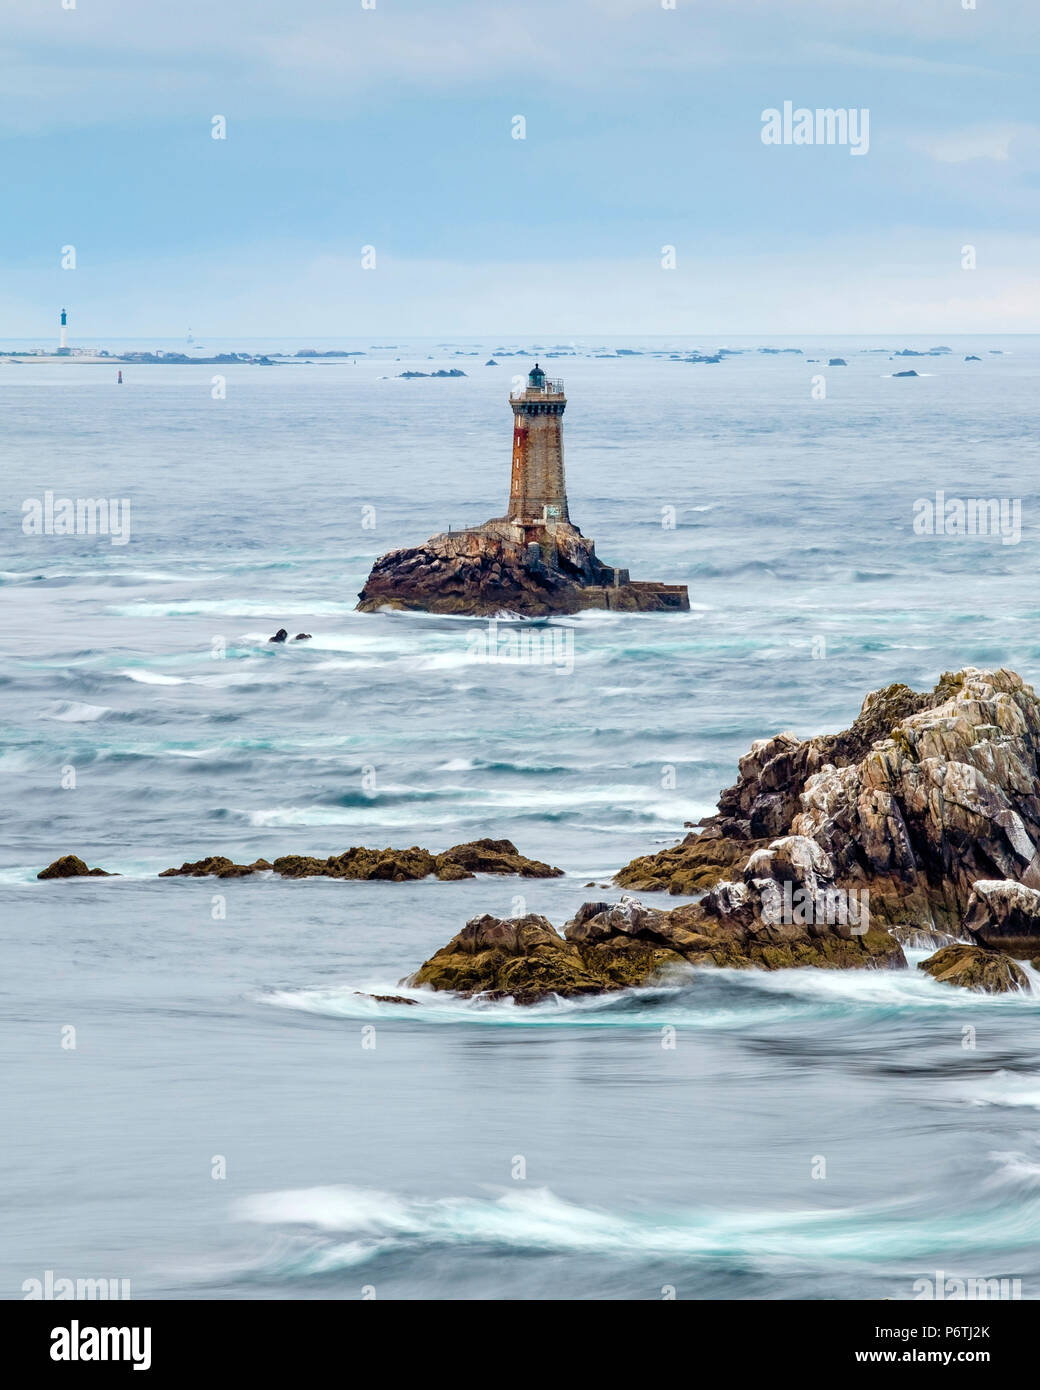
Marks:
<point>533,561</point>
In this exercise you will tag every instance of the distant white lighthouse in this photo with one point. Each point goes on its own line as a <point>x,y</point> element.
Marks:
<point>64,344</point>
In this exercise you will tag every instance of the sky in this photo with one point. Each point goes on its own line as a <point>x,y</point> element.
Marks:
<point>392,127</point>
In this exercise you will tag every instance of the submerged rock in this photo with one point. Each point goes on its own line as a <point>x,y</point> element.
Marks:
<point>922,797</point>
<point>977,968</point>
<point>71,866</point>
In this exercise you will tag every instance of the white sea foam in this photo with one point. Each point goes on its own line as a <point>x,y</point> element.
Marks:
<point>76,712</point>
<point>538,1221</point>
<point>146,677</point>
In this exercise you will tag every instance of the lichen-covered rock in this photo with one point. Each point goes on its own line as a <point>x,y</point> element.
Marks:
<point>923,796</point>
<point>1005,916</point>
<point>784,912</point>
<point>977,968</point>
<point>695,864</point>
<point>216,866</point>
<point>71,866</point>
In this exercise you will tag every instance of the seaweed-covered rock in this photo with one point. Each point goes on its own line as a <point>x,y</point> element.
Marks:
<point>527,959</point>
<point>924,795</point>
<point>977,968</point>
<point>491,857</point>
<point>71,866</point>
<point>402,865</point>
<point>393,865</point>
<point>216,866</point>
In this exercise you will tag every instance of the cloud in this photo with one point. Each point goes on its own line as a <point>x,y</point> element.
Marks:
<point>992,142</point>
<point>905,282</point>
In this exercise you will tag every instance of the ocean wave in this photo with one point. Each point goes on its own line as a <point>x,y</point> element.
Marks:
<point>1005,1089</point>
<point>391,805</point>
<point>76,712</point>
<point>345,1226</point>
<point>691,997</point>
<point>274,608</point>
<point>147,677</point>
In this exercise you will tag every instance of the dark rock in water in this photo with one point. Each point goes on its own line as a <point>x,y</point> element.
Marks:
<point>924,795</point>
<point>609,946</point>
<point>911,372</point>
<point>500,567</point>
<point>302,637</point>
<point>491,362</point>
<point>976,968</point>
<point>973,358</point>
<point>837,362</point>
<point>386,998</point>
<point>1005,916</point>
<point>71,866</point>
<point>493,857</point>
<point>527,959</point>
<point>401,865</point>
<point>216,866</point>
<point>455,371</point>
<point>279,636</point>
<point>392,865</point>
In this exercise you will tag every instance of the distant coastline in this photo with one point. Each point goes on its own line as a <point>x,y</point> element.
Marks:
<point>101,356</point>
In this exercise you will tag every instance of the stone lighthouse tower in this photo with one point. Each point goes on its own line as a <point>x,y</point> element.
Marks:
<point>538,491</point>
<point>533,561</point>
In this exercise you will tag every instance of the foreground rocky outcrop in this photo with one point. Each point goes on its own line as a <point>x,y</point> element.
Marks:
<point>783,912</point>
<point>976,968</point>
<point>923,796</point>
<point>500,567</point>
<point>71,866</point>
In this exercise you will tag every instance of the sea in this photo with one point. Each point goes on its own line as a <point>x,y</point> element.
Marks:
<point>200,1094</point>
